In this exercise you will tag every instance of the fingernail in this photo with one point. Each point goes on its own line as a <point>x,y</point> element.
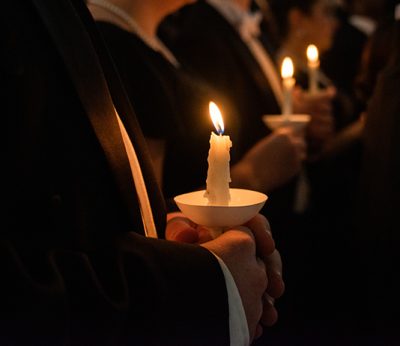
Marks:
<point>271,301</point>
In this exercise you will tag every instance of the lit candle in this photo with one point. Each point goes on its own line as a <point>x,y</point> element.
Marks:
<point>288,82</point>
<point>313,65</point>
<point>218,174</point>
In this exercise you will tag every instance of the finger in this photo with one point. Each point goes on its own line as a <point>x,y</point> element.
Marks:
<point>263,268</point>
<point>276,285</point>
<point>180,229</point>
<point>260,228</point>
<point>179,215</point>
<point>270,314</point>
<point>259,331</point>
<point>204,235</point>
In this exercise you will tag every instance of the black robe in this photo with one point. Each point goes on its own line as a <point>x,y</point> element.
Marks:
<point>377,239</point>
<point>75,269</point>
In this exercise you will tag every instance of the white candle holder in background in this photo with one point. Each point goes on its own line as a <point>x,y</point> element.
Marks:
<point>243,206</point>
<point>298,122</point>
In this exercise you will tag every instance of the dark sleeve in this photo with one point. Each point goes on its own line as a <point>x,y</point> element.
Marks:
<point>204,56</point>
<point>138,292</point>
<point>144,82</point>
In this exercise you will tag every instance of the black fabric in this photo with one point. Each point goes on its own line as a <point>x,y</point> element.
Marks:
<point>342,62</point>
<point>124,108</point>
<point>215,51</point>
<point>72,270</point>
<point>82,61</point>
<point>171,105</point>
<point>377,240</point>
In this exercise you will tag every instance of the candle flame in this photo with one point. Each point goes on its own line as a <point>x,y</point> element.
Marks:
<point>216,117</point>
<point>287,69</point>
<point>312,53</point>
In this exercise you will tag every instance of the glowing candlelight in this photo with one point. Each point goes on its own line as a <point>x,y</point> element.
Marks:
<point>218,174</point>
<point>288,82</point>
<point>313,65</point>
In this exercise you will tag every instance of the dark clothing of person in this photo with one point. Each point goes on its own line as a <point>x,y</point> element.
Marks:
<point>375,57</point>
<point>377,240</point>
<point>170,105</point>
<point>213,49</point>
<point>342,61</point>
<point>76,269</point>
<point>268,26</point>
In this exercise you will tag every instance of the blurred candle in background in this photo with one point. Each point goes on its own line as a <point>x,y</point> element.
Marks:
<point>218,174</point>
<point>288,82</point>
<point>313,66</point>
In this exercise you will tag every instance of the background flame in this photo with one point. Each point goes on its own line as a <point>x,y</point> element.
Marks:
<point>312,53</point>
<point>287,69</point>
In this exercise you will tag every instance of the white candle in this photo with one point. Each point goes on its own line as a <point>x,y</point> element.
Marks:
<point>218,174</point>
<point>313,65</point>
<point>288,82</point>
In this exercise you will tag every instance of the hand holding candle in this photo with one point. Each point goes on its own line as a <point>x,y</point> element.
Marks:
<point>218,175</point>
<point>288,82</point>
<point>313,65</point>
